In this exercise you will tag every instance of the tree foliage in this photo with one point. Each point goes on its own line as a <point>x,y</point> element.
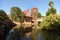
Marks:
<point>16,13</point>
<point>51,4</point>
<point>51,22</point>
<point>3,15</point>
<point>39,15</point>
<point>51,10</point>
<point>21,17</point>
<point>5,25</point>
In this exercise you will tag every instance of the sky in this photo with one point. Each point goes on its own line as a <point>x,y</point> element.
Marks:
<point>42,5</point>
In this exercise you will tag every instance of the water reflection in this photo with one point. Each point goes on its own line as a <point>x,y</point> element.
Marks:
<point>40,37</point>
<point>20,34</point>
<point>33,34</point>
<point>27,34</point>
<point>50,34</point>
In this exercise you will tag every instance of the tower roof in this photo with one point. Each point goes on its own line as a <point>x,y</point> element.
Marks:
<point>35,8</point>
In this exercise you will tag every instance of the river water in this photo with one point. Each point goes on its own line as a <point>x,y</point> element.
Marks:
<point>38,34</point>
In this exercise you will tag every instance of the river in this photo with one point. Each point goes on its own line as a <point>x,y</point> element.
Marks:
<point>37,34</point>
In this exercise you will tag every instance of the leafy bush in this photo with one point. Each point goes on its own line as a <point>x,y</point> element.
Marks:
<point>51,22</point>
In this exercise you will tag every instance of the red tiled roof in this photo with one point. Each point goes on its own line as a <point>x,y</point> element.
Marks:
<point>27,13</point>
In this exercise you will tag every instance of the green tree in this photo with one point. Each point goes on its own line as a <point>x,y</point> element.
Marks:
<point>51,10</point>
<point>51,22</point>
<point>3,15</point>
<point>15,11</point>
<point>5,25</point>
<point>39,15</point>
<point>21,18</point>
<point>3,19</point>
<point>17,14</point>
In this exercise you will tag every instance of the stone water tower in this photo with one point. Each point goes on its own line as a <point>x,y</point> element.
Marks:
<point>34,14</point>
